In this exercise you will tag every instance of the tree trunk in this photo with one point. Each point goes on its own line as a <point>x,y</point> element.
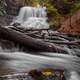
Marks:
<point>27,41</point>
<point>76,42</point>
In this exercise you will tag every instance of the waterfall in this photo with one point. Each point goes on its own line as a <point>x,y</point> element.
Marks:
<point>32,18</point>
<point>35,18</point>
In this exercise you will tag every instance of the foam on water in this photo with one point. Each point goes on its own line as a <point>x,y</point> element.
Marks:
<point>32,18</point>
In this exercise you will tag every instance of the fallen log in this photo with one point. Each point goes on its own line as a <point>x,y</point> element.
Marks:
<point>27,41</point>
<point>77,42</point>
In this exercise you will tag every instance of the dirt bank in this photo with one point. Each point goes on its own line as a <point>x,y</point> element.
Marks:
<point>71,25</point>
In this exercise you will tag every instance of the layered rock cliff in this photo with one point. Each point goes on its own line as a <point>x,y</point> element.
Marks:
<point>13,6</point>
<point>71,25</point>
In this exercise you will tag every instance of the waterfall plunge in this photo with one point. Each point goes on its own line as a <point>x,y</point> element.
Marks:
<point>32,18</point>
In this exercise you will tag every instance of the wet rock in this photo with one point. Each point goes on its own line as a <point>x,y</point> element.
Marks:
<point>6,20</point>
<point>13,6</point>
<point>5,44</point>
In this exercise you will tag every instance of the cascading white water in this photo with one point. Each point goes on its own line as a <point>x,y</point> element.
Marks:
<point>21,62</point>
<point>32,18</point>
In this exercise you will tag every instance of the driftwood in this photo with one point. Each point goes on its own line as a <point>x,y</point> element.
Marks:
<point>27,41</point>
<point>23,30</point>
<point>35,33</point>
<point>77,42</point>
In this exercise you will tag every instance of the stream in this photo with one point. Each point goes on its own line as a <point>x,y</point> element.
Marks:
<point>13,59</point>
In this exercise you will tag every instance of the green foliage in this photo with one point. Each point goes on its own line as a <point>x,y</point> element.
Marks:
<point>51,10</point>
<point>52,13</point>
<point>75,7</point>
<point>31,2</point>
<point>2,9</point>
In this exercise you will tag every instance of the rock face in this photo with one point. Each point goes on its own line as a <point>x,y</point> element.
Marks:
<point>71,25</point>
<point>13,6</point>
<point>6,20</point>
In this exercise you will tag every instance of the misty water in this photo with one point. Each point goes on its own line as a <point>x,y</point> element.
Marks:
<point>32,17</point>
<point>14,60</point>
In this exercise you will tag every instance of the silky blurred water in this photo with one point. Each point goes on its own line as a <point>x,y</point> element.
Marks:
<point>23,62</point>
<point>14,60</point>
